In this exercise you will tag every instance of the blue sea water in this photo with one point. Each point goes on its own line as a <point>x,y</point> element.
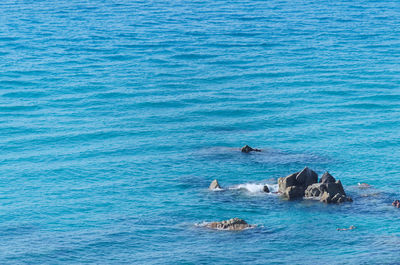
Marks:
<point>116,115</point>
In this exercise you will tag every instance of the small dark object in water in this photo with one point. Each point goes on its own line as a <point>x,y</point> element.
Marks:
<point>396,203</point>
<point>266,189</point>
<point>344,229</point>
<point>248,149</point>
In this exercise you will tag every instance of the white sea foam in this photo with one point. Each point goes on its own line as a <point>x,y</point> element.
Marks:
<point>218,189</point>
<point>255,187</point>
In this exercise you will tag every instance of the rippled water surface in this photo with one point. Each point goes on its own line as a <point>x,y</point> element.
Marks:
<point>116,115</point>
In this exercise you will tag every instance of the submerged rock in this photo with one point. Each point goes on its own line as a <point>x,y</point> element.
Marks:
<point>266,189</point>
<point>231,224</point>
<point>214,185</point>
<point>364,186</point>
<point>248,149</point>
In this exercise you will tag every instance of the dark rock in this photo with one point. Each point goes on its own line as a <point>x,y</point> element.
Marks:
<point>338,198</point>
<point>294,192</point>
<point>334,188</point>
<point>286,182</point>
<point>315,190</point>
<point>231,224</point>
<point>334,193</point>
<point>266,189</point>
<point>305,183</point>
<point>248,149</point>
<point>214,185</point>
<point>327,178</point>
<point>307,177</point>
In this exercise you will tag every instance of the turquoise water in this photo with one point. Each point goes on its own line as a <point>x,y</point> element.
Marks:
<point>116,116</point>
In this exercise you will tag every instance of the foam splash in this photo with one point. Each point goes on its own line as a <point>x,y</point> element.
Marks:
<point>255,188</point>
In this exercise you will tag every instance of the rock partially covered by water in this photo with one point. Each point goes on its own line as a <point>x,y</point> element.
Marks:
<point>295,185</point>
<point>266,189</point>
<point>214,185</point>
<point>236,224</point>
<point>248,149</point>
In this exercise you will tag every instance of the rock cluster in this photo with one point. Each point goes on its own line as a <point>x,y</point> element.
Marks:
<point>248,149</point>
<point>231,224</point>
<point>305,184</point>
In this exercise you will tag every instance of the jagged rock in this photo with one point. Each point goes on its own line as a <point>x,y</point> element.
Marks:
<point>305,183</point>
<point>327,178</point>
<point>334,193</point>
<point>294,185</point>
<point>286,182</point>
<point>266,189</point>
<point>248,149</point>
<point>334,188</point>
<point>338,198</point>
<point>214,185</point>
<point>294,192</point>
<point>315,190</point>
<point>231,224</point>
<point>306,177</point>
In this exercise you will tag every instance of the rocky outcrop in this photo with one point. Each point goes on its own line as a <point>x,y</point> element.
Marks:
<point>295,185</point>
<point>328,191</point>
<point>286,182</point>
<point>248,149</point>
<point>305,184</point>
<point>315,190</point>
<point>306,177</point>
<point>236,224</point>
<point>327,178</point>
<point>294,192</point>
<point>214,185</point>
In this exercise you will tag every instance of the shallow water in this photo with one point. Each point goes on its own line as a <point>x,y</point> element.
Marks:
<point>115,117</point>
